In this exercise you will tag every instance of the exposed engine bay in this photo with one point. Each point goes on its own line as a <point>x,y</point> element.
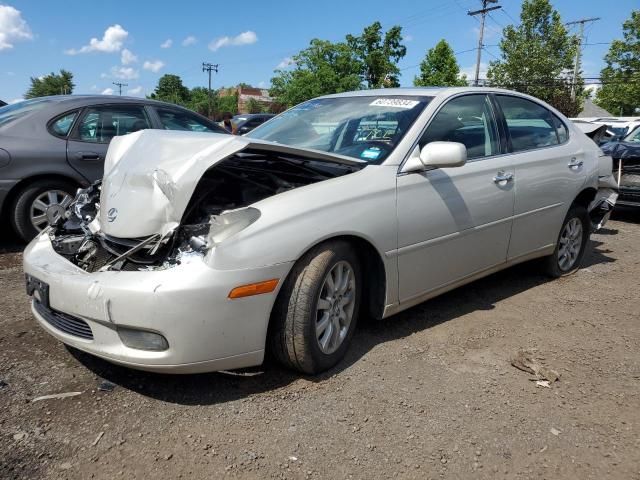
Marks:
<point>219,207</point>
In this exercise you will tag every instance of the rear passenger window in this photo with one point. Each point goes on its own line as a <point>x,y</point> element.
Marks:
<point>468,120</point>
<point>101,124</point>
<point>530,125</point>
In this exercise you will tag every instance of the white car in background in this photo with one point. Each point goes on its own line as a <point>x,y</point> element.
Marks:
<point>200,251</point>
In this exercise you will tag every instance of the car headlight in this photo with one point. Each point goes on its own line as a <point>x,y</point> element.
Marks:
<point>224,226</point>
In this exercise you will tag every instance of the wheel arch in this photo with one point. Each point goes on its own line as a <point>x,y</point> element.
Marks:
<point>12,195</point>
<point>585,197</point>
<point>373,269</point>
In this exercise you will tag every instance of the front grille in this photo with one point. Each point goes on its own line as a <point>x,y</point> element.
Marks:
<point>65,323</point>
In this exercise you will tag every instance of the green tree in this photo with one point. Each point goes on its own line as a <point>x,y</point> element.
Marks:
<point>620,92</point>
<point>226,103</point>
<point>322,68</point>
<point>440,68</point>
<point>536,56</point>
<point>171,89</point>
<point>379,54</point>
<point>51,84</point>
<point>254,106</point>
<point>199,100</point>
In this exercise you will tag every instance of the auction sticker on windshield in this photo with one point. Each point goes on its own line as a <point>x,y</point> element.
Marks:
<point>394,102</point>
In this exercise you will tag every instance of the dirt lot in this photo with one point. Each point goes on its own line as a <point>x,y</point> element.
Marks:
<point>428,394</point>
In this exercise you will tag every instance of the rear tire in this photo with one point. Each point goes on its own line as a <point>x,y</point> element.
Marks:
<point>571,244</point>
<point>26,206</point>
<point>316,311</point>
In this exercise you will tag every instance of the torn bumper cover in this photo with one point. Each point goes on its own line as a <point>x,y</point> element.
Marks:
<point>607,195</point>
<point>187,305</point>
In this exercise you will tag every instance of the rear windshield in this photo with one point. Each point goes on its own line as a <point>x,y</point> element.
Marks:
<point>14,111</point>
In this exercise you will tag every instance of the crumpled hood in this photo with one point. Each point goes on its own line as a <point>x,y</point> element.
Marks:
<point>150,176</point>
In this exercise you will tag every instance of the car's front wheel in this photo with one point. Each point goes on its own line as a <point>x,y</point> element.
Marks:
<point>39,204</point>
<point>572,243</point>
<point>317,308</point>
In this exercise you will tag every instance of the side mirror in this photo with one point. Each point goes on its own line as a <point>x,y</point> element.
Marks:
<point>243,130</point>
<point>443,154</point>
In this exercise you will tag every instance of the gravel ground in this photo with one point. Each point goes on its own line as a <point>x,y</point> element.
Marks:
<point>429,393</point>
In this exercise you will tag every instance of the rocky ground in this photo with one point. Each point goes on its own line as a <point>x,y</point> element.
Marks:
<point>429,393</point>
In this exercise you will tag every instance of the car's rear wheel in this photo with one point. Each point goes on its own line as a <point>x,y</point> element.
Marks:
<point>317,308</point>
<point>39,204</point>
<point>572,243</point>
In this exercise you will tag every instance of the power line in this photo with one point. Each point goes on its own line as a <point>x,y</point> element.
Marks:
<point>209,67</point>
<point>576,66</point>
<point>483,13</point>
<point>120,85</point>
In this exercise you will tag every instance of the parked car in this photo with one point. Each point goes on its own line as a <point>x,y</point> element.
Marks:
<point>626,158</point>
<point>244,123</point>
<point>50,146</point>
<point>201,252</point>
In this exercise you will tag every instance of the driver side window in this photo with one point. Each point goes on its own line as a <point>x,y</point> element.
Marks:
<point>468,120</point>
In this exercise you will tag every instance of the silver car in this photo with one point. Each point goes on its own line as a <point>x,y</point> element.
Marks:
<point>200,251</point>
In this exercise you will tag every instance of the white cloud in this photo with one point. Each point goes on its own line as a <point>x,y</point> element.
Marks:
<point>286,62</point>
<point>107,91</point>
<point>112,41</point>
<point>408,38</point>
<point>190,40</point>
<point>244,38</point>
<point>153,66</point>
<point>135,91</point>
<point>127,57</point>
<point>13,28</point>
<point>124,73</point>
<point>167,43</point>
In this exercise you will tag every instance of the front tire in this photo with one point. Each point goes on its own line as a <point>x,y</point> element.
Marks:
<point>315,315</point>
<point>571,245</point>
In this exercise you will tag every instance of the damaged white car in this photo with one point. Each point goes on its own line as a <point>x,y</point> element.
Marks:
<point>201,252</point>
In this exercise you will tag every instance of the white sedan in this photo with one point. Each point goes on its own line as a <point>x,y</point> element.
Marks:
<point>200,252</point>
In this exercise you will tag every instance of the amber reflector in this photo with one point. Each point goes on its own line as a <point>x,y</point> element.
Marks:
<point>254,289</point>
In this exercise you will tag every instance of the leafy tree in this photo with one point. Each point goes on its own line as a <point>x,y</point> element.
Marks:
<point>537,56</point>
<point>254,106</point>
<point>322,68</point>
<point>440,68</point>
<point>379,55</point>
<point>620,92</point>
<point>51,84</point>
<point>226,103</point>
<point>171,89</point>
<point>199,100</point>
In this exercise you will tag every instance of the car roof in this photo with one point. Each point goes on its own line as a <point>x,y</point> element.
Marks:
<point>423,92</point>
<point>80,100</point>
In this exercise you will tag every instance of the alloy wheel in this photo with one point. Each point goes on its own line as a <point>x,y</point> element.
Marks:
<point>48,207</point>
<point>570,244</point>
<point>335,307</point>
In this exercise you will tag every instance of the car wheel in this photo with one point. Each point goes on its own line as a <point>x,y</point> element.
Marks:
<point>317,308</point>
<point>572,243</point>
<point>39,204</point>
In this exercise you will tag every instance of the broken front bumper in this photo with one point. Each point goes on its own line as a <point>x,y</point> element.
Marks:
<point>187,304</point>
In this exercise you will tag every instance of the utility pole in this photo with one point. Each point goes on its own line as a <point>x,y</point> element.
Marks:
<point>576,65</point>
<point>209,67</point>
<point>483,13</point>
<point>120,85</point>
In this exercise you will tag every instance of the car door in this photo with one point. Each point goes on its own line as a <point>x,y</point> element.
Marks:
<point>548,168</point>
<point>88,143</point>
<point>455,222</point>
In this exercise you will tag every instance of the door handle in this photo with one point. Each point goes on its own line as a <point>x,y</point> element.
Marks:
<point>502,176</point>
<point>88,156</point>
<point>575,163</point>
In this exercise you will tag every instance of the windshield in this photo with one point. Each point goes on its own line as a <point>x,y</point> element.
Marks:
<point>634,136</point>
<point>14,111</point>
<point>366,128</point>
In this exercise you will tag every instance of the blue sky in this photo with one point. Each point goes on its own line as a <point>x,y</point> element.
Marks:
<point>248,39</point>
